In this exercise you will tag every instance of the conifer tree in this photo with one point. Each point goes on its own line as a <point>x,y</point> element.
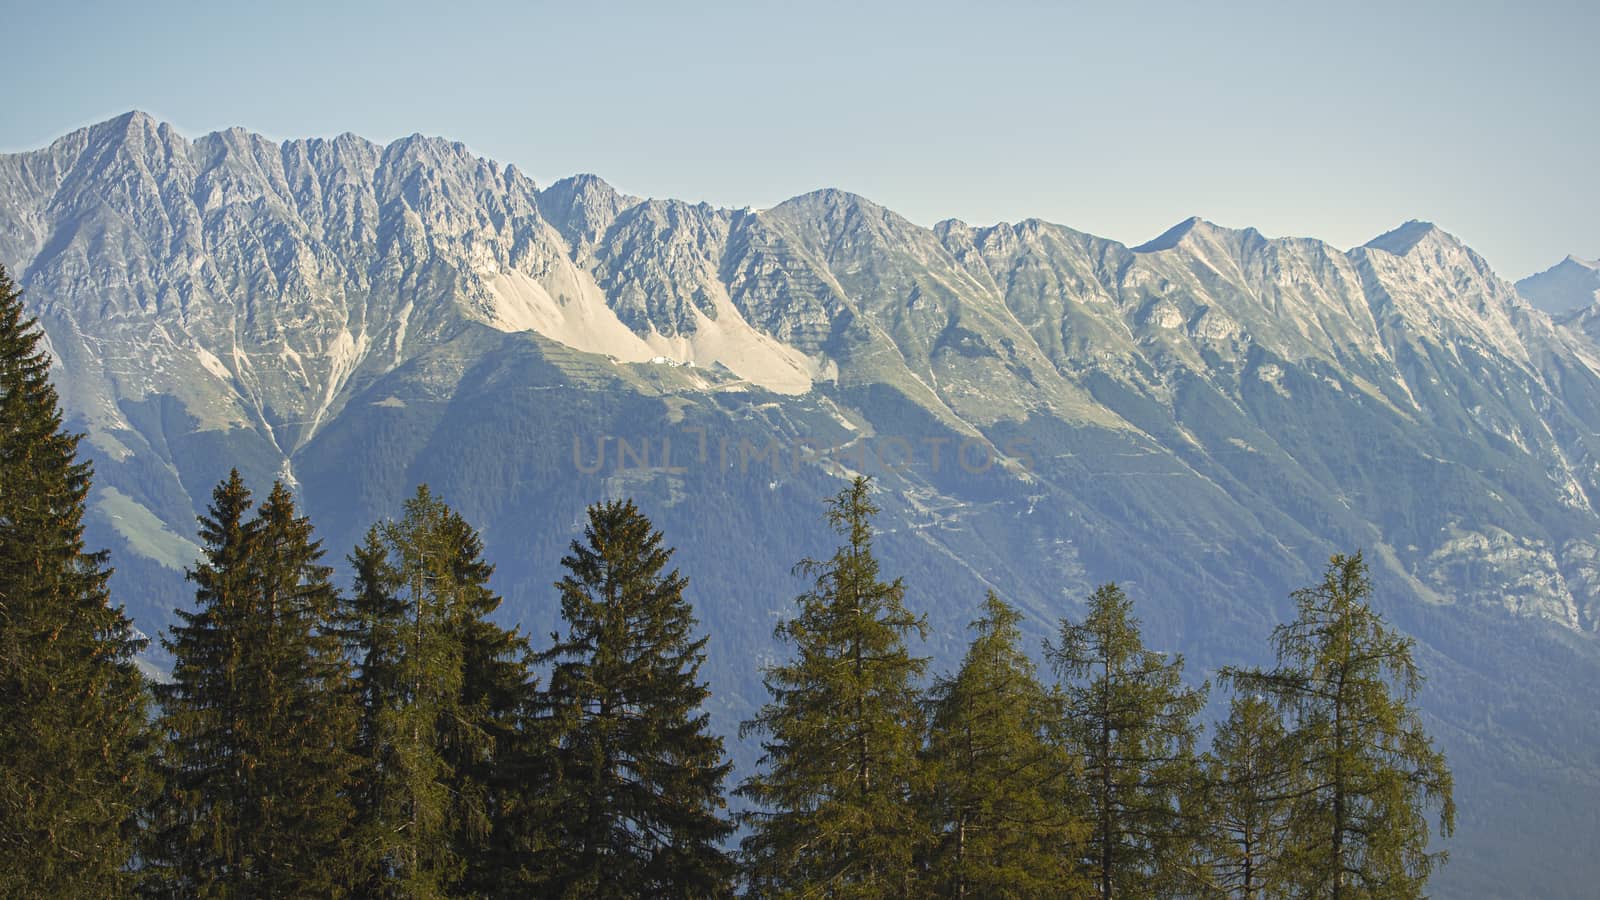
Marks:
<point>195,838</point>
<point>636,804</point>
<point>443,690</point>
<point>1346,682</point>
<point>73,734</point>
<point>834,811</point>
<point>312,705</point>
<point>998,780</point>
<point>1250,780</point>
<point>497,690</point>
<point>373,625</point>
<point>1134,723</point>
<point>258,720</point>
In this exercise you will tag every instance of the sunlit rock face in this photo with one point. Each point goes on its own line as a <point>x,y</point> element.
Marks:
<point>1203,418</point>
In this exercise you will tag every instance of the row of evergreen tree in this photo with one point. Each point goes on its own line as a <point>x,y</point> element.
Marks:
<point>993,784</point>
<point>395,741</point>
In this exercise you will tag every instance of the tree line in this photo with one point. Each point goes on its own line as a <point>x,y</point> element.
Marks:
<point>394,740</point>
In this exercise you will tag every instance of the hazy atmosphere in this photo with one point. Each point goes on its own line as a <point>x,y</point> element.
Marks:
<point>1336,121</point>
<point>800,450</point>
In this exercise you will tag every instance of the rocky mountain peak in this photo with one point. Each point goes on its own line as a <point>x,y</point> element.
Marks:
<point>836,207</point>
<point>1569,285</point>
<point>1206,238</point>
<point>1172,237</point>
<point>135,124</point>
<point>1402,240</point>
<point>134,135</point>
<point>583,207</point>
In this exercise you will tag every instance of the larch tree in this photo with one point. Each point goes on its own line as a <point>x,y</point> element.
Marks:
<point>997,780</point>
<point>1250,783</point>
<point>1347,683</point>
<point>834,813</point>
<point>1133,722</point>
<point>443,689</point>
<point>636,802</point>
<point>73,728</point>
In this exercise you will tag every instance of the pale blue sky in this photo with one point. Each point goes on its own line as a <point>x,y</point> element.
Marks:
<point>1336,121</point>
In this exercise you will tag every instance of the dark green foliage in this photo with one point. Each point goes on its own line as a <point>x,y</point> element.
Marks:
<point>1346,682</point>
<point>1133,721</point>
<point>998,782</point>
<point>834,812</point>
<point>194,838</point>
<point>1250,783</point>
<point>259,719</point>
<point>373,626</point>
<point>314,705</point>
<point>73,734</point>
<point>635,803</point>
<point>443,689</point>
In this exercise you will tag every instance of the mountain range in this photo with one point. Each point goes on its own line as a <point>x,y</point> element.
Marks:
<point>1203,418</point>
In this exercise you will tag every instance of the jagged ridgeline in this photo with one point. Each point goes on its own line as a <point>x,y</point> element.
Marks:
<point>1204,418</point>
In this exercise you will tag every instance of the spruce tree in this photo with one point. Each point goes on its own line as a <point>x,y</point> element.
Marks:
<point>258,719</point>
<point>1134,723</point>
<point>637,804</point>
<point>306,835</point>
<point>195,837</point>
<point>373,625</point>
<point>998,780</point>
<point>490,778</point>
<point>834,811</point>
<point>73,734</point>
<point>1250,781</point>
<point>443,692</point>
<point>1347,682</point>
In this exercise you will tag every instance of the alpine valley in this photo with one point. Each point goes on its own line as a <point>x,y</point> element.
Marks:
<point>1204,418</point>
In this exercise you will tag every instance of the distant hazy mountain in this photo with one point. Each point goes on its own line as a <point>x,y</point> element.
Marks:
<point>1203,418</point>
<point>1566,287</point>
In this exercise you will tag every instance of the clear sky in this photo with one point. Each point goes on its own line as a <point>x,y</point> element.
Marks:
<point>1330,120</point>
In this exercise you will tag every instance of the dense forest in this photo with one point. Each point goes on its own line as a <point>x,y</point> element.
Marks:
<point>389,738</point>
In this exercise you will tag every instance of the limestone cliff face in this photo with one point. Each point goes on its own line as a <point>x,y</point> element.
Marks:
<point>1204,417</point>
<point>259,285</point>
